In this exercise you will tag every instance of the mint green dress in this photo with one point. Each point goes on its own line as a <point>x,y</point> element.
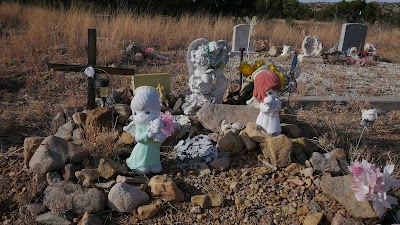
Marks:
<point>146,152</point>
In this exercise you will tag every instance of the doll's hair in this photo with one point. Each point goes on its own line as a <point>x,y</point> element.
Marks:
<point>146,97</point>
<point>265,80</point>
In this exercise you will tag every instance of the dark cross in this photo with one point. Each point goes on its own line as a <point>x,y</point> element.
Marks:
<point>92,51</point>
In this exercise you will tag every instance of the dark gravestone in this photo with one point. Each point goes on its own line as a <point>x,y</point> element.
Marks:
<point>352,35</point>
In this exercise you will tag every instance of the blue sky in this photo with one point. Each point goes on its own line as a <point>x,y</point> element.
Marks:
<point>340,1</point>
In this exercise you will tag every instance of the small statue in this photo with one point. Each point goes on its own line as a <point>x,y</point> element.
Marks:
<point>207,82</point>
<point>266,87</point>
<point>147,128</point>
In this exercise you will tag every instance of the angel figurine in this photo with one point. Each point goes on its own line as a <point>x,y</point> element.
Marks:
<point>207,82</point>
<point>266,87</point>
<point>149,130</point>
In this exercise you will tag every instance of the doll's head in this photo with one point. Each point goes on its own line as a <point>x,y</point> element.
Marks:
<point>264,81</point>
<point>145,105</point>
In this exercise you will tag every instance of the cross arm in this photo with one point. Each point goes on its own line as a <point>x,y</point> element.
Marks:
<point>81,68</point>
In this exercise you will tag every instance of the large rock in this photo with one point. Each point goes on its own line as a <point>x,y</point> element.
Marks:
<point>164,187</point>
<point>100,117</point>
<point>54,153</point>
<point>278,149</point>
<point>66,195</point>
<point>339,188</point>
<point>211,115</point>
<point>125,198</point>
<point>230,142</point>
<point>123,112</point>
<point>30,146</point>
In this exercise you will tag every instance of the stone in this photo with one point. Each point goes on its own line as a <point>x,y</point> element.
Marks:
<point>164,187</point>
<point>221,163</point>
<point>311,46</point>
<point>65,131</point>
<point>273,51</point>
<point>69,171</point>
<point>294,168</point>
<point>130,180</point>
<point>339,188</point>
<point>352,35</point>
<point>106,185</point>
<point>203,201</point>
<point>123,112</point>
<point>305,146</point>
<point>313,218</point>
<point>124,197</point>
<point>54,153</point>
<point>66,195</point>
<point>255,133</point>
<point>308,172</point>
<point>217,200</point>
<point>87,176</point>
<point>230,142</point>
<point>36,208</point>
<point>30,146</point>
<point>90,219</point>
<point>58,120</point>
<point>249,144</point>
<point>69,111</point>
<point>324,163</point>
<point>53,177</point>
<point>291,130</point>
<point>51,219</point>
<point>101,116</point>
<point>39,182</point>
<point>340,156</point>
<point>109,169</point>
<point>211,115</point>
<point>338,219</point>
<point>78,134</point>
<point>79,119</point>
<point>148,211</point>
<point>278,149</point>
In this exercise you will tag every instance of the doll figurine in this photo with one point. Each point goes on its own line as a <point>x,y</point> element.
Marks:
<point>146,127</point>
<point>266,85</point>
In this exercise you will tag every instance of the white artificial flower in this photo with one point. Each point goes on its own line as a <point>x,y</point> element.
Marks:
<point>89,71</point>
<point>369,115</point>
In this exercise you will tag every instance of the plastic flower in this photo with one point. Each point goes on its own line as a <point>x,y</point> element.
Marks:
<point>246,69</point>
<point>371,184</point>
<point>149,51</point>
<point>370,49</point>
<point>89,71</point>
<point>368,116</point>
<point>169,125</point>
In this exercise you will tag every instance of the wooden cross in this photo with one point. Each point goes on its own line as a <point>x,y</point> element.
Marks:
<point>92,51</point>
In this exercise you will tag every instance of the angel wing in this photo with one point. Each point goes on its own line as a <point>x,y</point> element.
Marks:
<point>225,49</point>
<point>194,45</point>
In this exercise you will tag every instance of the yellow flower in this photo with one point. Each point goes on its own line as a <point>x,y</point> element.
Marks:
<point>246,69</point>
<point>282,79</point>
<point>258,64</point>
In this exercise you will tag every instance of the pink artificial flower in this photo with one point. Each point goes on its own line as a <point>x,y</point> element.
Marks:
<point>149,51</point>
<point>169,125</point>
<point>356,169</point>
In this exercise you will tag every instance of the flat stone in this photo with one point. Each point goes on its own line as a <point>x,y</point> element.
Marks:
<point>255,133</point>
<point>110,169</point>
<point>106,185</point>
<point>278,149</point>
<point>230,142</point>
<point>211,115</point>
<point>124,197</point>
<point>324,163</point>
<point>339,188</point>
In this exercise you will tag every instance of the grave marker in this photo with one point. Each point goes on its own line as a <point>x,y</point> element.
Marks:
<point>151,79</point>
<point>352,35</point>
<point>240,39</point>
<point>92,51</point>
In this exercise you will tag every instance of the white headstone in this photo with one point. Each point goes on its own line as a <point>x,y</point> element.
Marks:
<point>311,46</point>
<point>352,35</point>
<point>240,38</point>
